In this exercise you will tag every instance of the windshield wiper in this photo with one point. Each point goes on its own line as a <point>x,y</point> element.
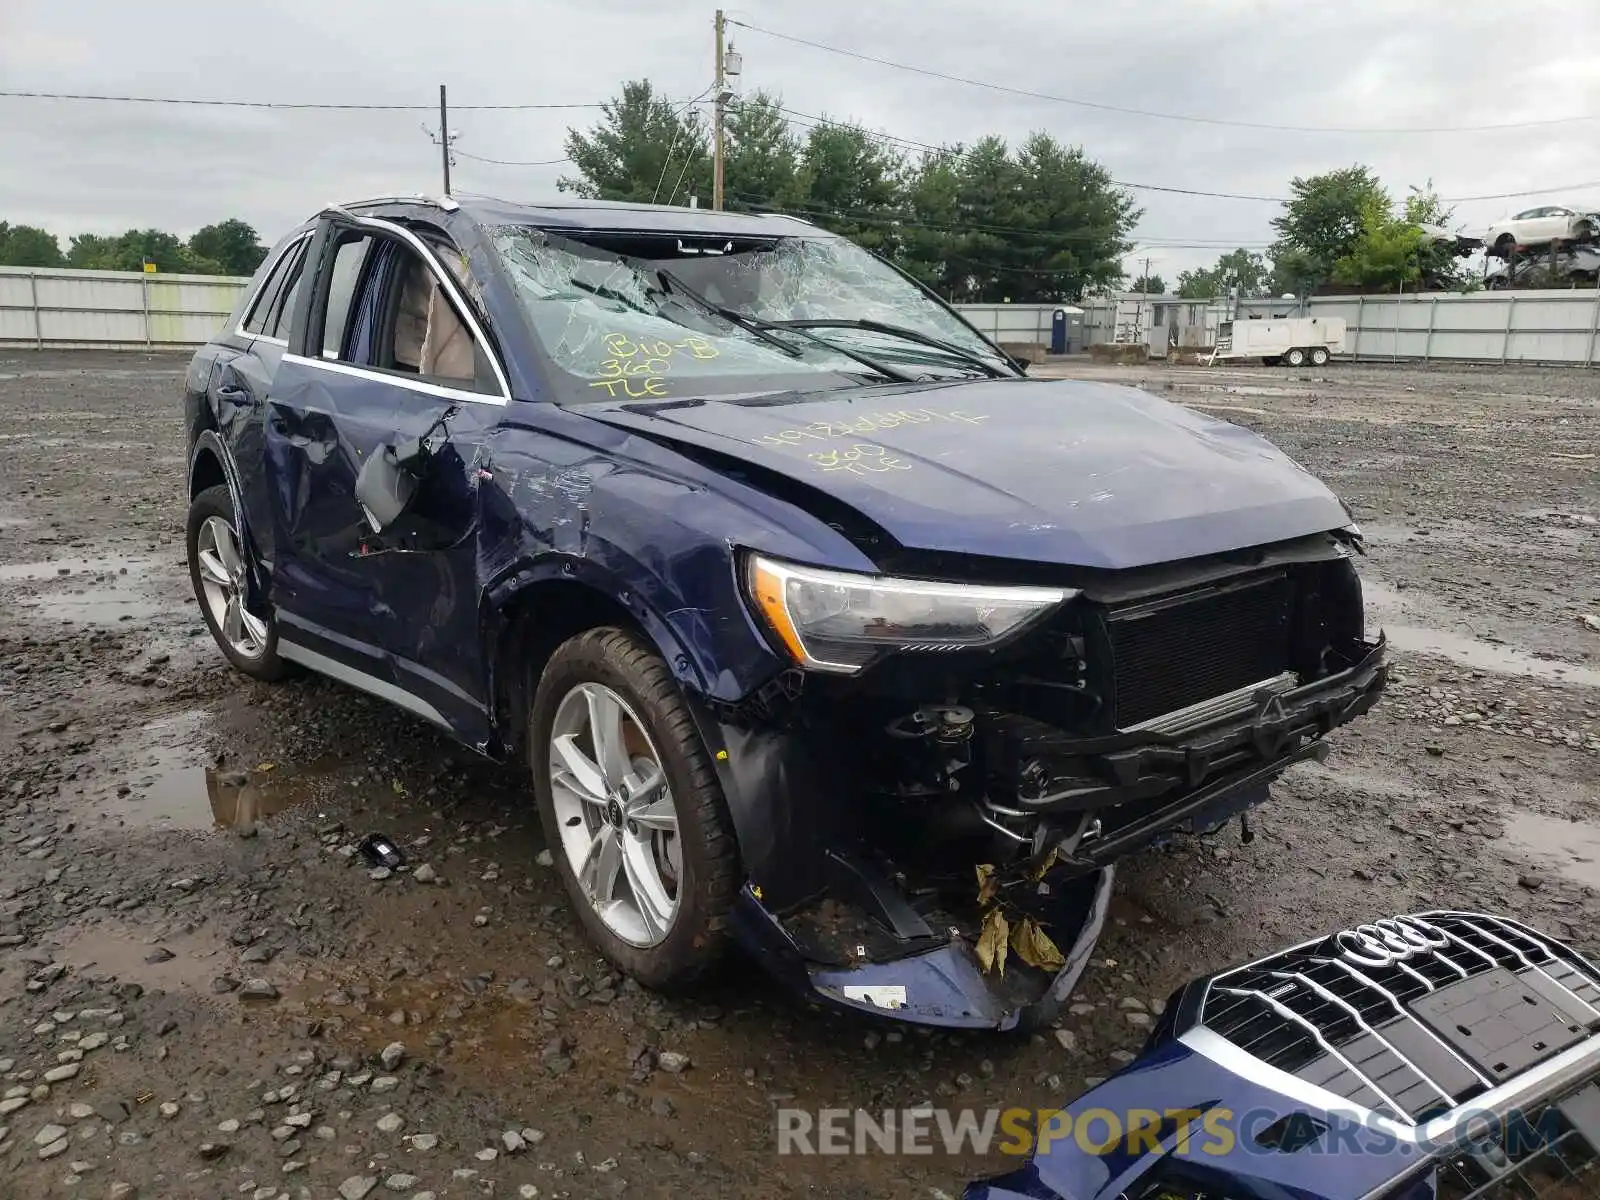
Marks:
<point>899,331</point>
<point>763,330</point>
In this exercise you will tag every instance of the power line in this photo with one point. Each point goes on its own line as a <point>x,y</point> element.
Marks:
<point>911,221</point>
<point>1142,112</point>
<point>285,104</point>
<point>1155,187</point>
<point>931,149</point>
<point>1568,187</point>
<point>508,162</point>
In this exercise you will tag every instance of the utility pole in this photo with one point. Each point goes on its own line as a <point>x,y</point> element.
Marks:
<point>444,138</point>
<point>1144,299</point>
<point>717,121</point>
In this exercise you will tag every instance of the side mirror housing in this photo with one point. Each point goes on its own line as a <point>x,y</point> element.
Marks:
<point>387,482</point>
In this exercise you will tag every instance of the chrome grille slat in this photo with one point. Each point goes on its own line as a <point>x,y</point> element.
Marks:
<point>1289,1014</point>
<point>1315,1010</point>
<point>1528,962</point>
<point>1415,974</point>
<point>1549,957</point>
<point>1368,1028</point>
<point>1400,1011</point>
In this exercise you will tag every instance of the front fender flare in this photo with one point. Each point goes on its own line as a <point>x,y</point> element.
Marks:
<point>209,443</point>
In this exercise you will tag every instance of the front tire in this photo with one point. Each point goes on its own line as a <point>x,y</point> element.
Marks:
<point>1295,357</point>
<point>631,807</point>
<point>219,575</point>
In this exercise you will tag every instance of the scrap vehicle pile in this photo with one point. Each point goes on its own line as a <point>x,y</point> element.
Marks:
<point>819,623</point>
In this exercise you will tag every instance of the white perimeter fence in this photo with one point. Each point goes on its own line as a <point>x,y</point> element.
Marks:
<point>112,310</point>
<point>47,308</point>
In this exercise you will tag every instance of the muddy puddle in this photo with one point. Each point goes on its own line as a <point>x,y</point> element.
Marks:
<point>156,778</point>
<point>1394,610</point>
<point>108,590</point>
<point>186,961</point>
<point>108,566</point>
<point>1571,848</point>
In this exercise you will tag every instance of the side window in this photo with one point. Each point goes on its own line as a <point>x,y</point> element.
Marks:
<point>266,298</point>
<point>348,260</point>
<point>400,319</point>
<point>282,311</point>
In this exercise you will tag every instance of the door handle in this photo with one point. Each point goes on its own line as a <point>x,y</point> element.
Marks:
<point>233,395</point>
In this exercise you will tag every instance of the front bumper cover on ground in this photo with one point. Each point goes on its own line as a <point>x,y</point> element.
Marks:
<point>942,985</point>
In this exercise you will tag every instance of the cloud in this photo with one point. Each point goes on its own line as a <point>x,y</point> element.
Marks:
<point>75,166</point>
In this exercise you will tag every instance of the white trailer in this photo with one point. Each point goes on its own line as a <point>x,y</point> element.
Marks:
<point>1291,340</point>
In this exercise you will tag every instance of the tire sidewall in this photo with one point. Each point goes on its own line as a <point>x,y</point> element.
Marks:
<point>1295,358</point>
<point>218,502</point>
<point>693,939</point>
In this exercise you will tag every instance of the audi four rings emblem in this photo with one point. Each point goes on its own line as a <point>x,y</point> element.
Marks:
<point>1388,941</point>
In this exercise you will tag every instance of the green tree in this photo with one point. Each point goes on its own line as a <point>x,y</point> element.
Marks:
<point>1045,223</point>
<point>1441,264</point>
<point>1388,253</point>
<point>1322,223</point>
<point>981,241</point>
<point>644,148</point>
<point>1152,284</point>
<point>1078,222</point>
<point>853,184</point>
<point>28,246</point>
<point>1240,269</point>
<point>927,238</point>
<point>129,251</point>
<point>761,157</point>
<point>89,252</point>
<point>232,246</point>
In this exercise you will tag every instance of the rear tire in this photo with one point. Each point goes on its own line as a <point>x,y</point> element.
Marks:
<point>670,926</point>
<point>1504,246</point>
<point>218,572</point>
<point>1319,356</point>
<point>1295,357</point>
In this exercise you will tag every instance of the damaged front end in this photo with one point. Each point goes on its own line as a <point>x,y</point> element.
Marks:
<point>940,822</point>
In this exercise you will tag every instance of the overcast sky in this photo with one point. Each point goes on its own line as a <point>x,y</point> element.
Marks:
<point>77,166</point>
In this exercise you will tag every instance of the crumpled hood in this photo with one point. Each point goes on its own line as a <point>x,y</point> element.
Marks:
<point>1061,471</point>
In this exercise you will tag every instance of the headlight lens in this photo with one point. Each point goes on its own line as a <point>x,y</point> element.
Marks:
<point>841,621</point>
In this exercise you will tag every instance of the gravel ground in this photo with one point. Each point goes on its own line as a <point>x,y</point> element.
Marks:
<point>205,991</point>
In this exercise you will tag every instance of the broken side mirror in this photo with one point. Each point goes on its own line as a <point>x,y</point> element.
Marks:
<point>388,480</point>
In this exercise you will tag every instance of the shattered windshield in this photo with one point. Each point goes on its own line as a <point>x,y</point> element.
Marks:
<point>639,317</point>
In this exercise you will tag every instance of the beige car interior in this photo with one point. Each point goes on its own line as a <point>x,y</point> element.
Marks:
<point>429,336</point>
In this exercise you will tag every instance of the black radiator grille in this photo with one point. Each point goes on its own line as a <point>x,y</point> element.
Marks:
<point>1179,650</point>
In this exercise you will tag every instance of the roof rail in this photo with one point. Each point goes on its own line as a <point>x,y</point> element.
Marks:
<point>446,203</point>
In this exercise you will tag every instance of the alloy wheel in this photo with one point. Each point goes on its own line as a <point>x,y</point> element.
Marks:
<point>223,582</point>
<point>619,828</point>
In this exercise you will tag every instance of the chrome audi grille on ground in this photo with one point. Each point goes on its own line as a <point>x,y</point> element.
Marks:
<point>1410,1016</point>
<point>1174,651</point>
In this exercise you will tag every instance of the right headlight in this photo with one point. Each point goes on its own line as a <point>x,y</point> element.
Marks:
<point>841,621</point>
